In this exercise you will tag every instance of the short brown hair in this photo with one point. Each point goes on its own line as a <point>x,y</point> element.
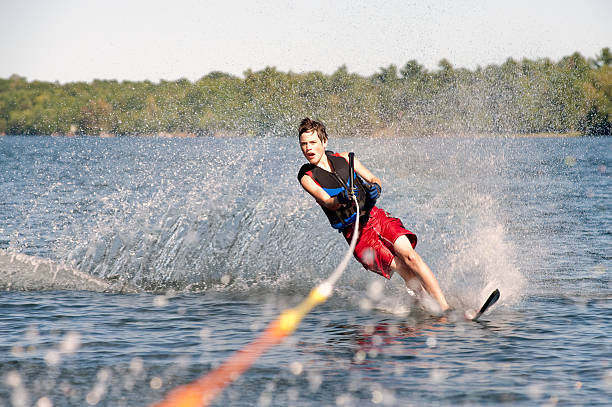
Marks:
<point>308,125</point>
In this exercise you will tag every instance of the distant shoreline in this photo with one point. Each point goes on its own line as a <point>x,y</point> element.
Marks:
<point>519,96</point>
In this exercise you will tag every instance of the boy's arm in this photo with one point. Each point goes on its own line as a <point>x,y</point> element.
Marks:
<point>319,193</point>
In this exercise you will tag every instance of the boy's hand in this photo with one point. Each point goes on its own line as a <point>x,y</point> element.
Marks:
<point>374,191</point>
<point>344,198</point>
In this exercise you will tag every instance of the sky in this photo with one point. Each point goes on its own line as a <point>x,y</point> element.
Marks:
<point>83,40</point>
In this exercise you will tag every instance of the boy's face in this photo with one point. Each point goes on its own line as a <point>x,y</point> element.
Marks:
<point>312,147</point>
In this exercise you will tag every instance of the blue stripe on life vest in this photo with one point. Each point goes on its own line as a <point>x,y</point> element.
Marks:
<point>349,221</point>
<point>333,191</point>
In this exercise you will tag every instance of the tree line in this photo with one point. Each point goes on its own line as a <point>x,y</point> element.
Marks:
<point>573,94</point>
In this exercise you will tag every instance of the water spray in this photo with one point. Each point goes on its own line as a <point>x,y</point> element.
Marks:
<point>202,391</point>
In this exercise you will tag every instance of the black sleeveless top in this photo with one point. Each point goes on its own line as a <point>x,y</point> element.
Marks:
<point>333,183</point>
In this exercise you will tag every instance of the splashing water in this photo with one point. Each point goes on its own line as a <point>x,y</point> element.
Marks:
<point>228,214</point>
<point>194,222</point>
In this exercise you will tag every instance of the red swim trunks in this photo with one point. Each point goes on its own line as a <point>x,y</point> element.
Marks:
<point>374,248</point>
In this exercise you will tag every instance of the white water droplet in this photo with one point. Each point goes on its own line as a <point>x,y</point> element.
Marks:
<point>296,368</point>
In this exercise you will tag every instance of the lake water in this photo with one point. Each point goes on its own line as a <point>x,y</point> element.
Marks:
<point>133,265</point>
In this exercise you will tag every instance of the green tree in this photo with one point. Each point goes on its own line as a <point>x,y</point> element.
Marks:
<point>96,117</point>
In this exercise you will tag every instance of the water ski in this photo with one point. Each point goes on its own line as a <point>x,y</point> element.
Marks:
<point>487,304</point>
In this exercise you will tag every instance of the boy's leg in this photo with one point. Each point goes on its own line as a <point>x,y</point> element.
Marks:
<point>409,265</point>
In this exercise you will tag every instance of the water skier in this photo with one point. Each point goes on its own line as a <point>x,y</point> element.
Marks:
<point>384,245</point>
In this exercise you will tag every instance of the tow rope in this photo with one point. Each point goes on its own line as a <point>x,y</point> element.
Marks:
<point>202,391</point>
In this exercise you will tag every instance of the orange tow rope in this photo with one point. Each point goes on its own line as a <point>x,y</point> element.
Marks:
<point>204,390</point>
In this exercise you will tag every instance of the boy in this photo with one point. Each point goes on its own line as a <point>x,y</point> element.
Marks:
<point>384,245</point>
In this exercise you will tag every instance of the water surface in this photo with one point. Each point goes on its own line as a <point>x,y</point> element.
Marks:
<point>200,243</point>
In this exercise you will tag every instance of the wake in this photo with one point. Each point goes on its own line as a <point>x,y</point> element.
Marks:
<point>20,272</point>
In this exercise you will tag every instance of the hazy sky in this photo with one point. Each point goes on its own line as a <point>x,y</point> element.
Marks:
<point>81,40</point>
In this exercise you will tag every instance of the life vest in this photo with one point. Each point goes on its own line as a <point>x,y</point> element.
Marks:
<point>335,182</point>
